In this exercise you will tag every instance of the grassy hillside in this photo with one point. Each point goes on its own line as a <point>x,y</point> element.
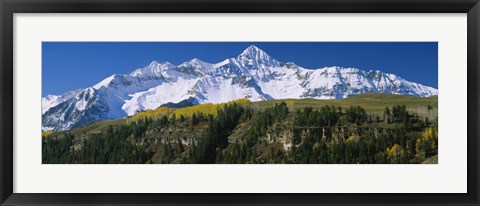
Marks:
<point>372,103</point>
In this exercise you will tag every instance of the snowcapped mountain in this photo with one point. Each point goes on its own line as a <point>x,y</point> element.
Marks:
<point>253,74</point>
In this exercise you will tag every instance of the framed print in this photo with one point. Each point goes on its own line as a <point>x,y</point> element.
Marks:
<point>243,102</point>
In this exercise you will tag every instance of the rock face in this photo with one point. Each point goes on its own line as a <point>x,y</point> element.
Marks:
<point>253,75</point>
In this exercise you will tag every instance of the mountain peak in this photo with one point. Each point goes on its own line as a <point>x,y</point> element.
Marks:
<point>153,63</point>
<point>252,49</point>
<point>154,69</point>
<point>254,56</point>
<point>107,81</point>
<point>198,61</point>
<point>162,64</point>
<point>195,62</point>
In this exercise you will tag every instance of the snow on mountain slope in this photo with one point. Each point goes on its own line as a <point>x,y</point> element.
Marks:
<point>253,74</point>
<point>153,70</point>
<point>53,100</point>
<point>159,95</point>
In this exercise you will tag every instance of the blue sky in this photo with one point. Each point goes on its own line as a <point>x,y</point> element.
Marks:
<point>72,65</point>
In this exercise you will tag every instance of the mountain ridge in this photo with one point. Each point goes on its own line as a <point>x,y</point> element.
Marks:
<point>253,75</point>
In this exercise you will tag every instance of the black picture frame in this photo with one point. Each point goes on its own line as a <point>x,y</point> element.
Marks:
<point>9,7</point>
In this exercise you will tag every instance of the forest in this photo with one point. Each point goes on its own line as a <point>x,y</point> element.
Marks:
<point>239,133</point>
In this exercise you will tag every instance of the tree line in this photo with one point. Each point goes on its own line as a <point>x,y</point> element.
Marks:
<point>408,139</point>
